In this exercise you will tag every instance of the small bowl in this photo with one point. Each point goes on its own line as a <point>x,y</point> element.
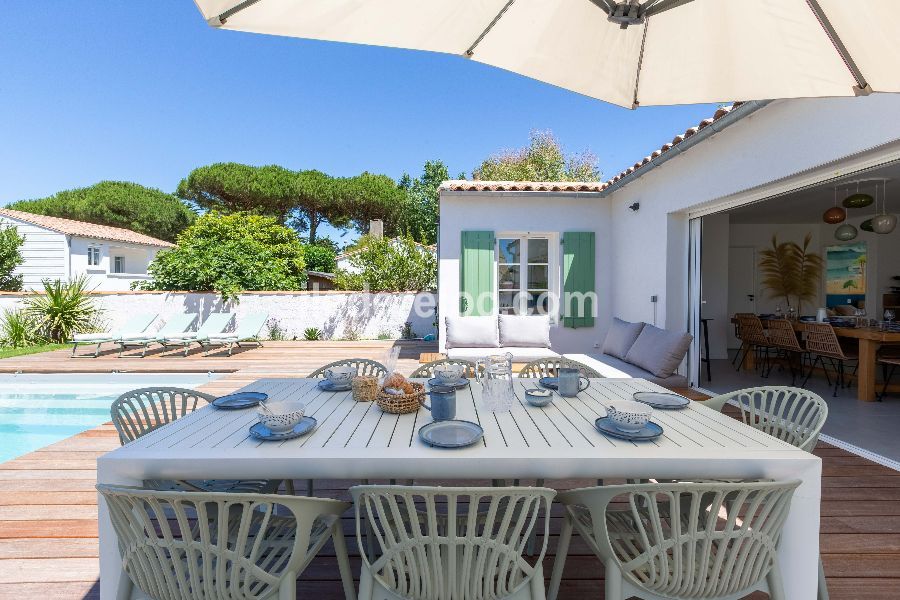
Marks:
<point>285,415</point>
<point>449,373</point>
<point>538,397</point>
<point>340,375</point>
<point>628,415</point>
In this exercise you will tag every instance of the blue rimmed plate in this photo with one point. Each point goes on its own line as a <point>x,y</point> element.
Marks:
<point>651,431</point>
<point>240,400</point>
<point>456,386</point>
<point>327,386</point>
<point>551,383</point>
<point>451,433</point>
<point>261,432</point>
<point>662,400</point>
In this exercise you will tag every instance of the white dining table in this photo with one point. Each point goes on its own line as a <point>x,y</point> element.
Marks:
<point>357,440</point>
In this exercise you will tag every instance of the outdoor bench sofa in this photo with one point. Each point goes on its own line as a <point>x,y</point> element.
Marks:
<point>526,338</point>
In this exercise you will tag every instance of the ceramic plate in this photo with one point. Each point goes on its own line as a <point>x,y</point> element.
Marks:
<point>261,432</point>
<point>662,400</point>
<point>240,400</point>
<point>451,434</point>
<point>327,386</point>
<point>650,431</point>
<point>457,386</point>
<point>549,382</point>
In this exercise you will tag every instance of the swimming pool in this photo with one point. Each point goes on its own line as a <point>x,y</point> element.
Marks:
<point>40,409</point>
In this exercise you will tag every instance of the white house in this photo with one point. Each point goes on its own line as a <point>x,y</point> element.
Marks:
<point>676,237</point>
<point>55,248</point>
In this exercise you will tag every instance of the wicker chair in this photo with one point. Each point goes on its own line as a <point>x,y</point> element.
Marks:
<point>363,366</point>
<point>889,366</point>
<point>753,339</point>
<point>175,544</point>
<point>822,343</point>
<point>427,370</point>
<point>446,542</point>
<point>783,338</point>
<point>723,543</point>
<point>548,367</point>
<point>138,412</point>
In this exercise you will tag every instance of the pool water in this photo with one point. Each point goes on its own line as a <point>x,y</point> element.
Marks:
<point>38,410</point>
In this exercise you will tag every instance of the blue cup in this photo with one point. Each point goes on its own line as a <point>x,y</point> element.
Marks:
<point>443,403</point>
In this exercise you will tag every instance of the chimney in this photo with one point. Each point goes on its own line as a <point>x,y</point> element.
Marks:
<point>376,228</point>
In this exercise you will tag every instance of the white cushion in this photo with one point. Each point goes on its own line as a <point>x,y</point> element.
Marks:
<point>519,354</point>
<point>525,331</point>
<point>472,332</point>
<point>91,337</point>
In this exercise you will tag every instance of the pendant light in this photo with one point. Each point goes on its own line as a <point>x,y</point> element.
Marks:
<point>845,232</point>
<point>858,200</point>
<point>883,223</point>
<point>835,214</point>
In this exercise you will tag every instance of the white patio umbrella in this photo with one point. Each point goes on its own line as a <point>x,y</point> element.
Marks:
<point>629,53</point>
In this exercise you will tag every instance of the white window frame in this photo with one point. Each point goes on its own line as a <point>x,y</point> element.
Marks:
<point>93,253</point>
<point>116,263</point>
<point>553,252</point>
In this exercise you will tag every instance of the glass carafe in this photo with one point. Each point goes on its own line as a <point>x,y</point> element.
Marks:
<point>495,375</point>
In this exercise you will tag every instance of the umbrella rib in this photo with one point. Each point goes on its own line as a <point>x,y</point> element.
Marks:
<point>219,20</point>
<point>654,7</point>
<point>471,50</point>
<point>637,74</point>
<point>862,87</point>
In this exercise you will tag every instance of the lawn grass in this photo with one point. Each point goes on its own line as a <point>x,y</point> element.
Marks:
<point>10,352</point>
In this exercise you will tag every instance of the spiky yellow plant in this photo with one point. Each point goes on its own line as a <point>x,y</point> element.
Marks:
<point>790,271</point>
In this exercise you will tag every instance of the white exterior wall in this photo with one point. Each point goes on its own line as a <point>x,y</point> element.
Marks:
<point>538,212</point>
<point>137,258</point>
<point>784,139</point>
<point>45,253</point>
<point>334,313</point>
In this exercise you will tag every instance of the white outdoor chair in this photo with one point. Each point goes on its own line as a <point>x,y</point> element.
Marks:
<point>363,366</point>
<point>434,543</point>
<point>793,415</point>
<point>138,412</point>
<point>698,540</point>
<point>427,370</point>
<point>549,367</point>
<point>179,545</point>
<point>215,324</point>
<point>248,329</point>
<point>135,326</point>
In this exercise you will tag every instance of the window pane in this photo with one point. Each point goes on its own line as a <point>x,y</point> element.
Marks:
<point>539,277</point>
<point>538,250</point>
<point>509,251</point>
<point>507,302</point>
<point>509,278</point>
<point>538,302</point>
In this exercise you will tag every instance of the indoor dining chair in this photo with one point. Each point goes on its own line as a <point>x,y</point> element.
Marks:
<point>549,367</point>
<point>753,339</point>
<point>138,412</point>
<point>702,540</point>
<point>433,543</point>
<point>783,338</point>
<point>822,343</point>
<point>179,545</point>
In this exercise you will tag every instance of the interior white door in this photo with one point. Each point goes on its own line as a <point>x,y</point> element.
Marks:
<point>741,285</point>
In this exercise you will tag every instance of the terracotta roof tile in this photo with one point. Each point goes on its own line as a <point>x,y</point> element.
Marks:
<point>575,186</point>
<point>82,229</point>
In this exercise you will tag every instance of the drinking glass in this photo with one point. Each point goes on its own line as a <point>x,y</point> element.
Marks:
<point>889,315</point>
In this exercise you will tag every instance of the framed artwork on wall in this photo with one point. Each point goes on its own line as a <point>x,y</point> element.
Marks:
<point>845,274</point>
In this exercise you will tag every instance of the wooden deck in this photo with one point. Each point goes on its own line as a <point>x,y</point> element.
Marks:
<point>48,510</point>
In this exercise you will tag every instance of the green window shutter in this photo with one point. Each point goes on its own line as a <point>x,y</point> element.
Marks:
<point>476,274</point>
<point>578,278</point>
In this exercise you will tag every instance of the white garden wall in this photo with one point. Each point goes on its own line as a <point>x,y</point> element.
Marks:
<point>337,314</point>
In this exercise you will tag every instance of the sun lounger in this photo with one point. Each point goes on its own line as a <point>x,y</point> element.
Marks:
<point>177,324</point>
<point>135,326</point>
<point>248,330</point>
<point>215,324</point>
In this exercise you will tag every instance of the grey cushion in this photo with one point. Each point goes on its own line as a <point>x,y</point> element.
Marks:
<point>659,351</point>
<point>615,368</point>
<point>621,337</point>
<point>472,332</point>
<point>525,331</point>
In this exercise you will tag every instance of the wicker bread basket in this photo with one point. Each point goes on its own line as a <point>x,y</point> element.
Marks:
<point>401,404</point>
<point>365,388</point>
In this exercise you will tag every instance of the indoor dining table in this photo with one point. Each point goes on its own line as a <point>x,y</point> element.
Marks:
<point>357,440</point>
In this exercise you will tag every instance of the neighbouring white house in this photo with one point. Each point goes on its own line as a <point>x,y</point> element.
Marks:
<point>676,238</point>
<point>54,248</point>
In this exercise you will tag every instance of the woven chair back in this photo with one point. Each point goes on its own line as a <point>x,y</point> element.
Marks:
<point>141,411</point>
<point>781,334</point>
<point>821,340</point>
<point>549,367</point>
<point>363,366</point>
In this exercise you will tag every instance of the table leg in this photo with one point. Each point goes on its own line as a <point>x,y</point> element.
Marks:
<point>865,375</point>
<point>749,363</point>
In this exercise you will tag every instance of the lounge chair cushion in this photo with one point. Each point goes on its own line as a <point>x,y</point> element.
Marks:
<point>525,332</point>
<point>472,332</point>
<point>519,354</point>
<point>659,351</point>
<point>92,337</point>
<point>621,337</point>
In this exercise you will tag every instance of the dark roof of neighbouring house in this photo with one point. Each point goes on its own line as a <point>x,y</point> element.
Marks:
<point>83,229</point>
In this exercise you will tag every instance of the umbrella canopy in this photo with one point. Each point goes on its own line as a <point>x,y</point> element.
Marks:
<point>629,53</point>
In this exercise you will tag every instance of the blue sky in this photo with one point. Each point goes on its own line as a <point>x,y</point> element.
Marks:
<point>145,91</point>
